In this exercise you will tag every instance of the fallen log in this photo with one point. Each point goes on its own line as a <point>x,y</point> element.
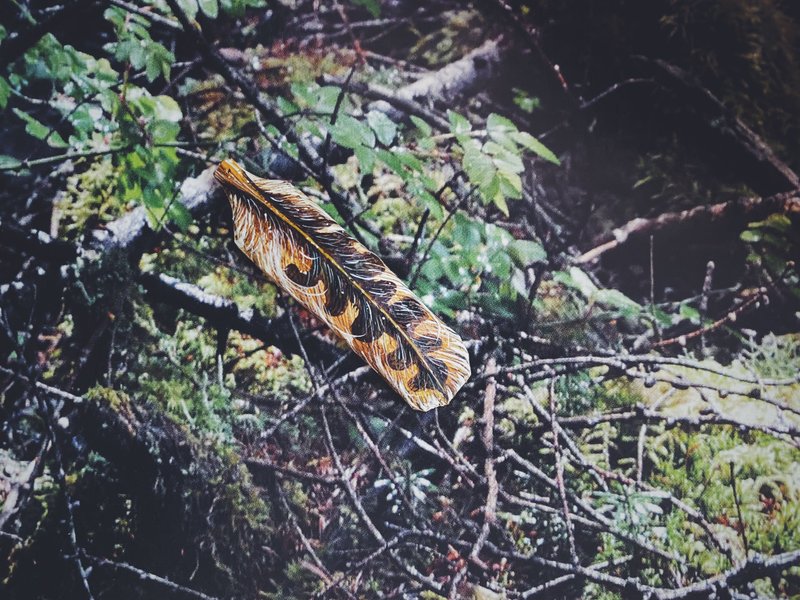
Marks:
<point>469,73</point>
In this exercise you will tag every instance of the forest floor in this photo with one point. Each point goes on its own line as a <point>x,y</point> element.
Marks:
<point>602,202</point>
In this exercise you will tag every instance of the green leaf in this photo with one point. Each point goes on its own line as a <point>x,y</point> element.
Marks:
<point>180,215</point>
<point>158,61</point>
<point>524,101</point>
<point>56,141</point>
<point>510,184</point>
<point>167,109</point>
<point>9,162</point>
<point>526,252</point>
<point>497,123</point>
<point>458,124</point>
<point>690,313</point>
<point>466,232</point>
<point>423,126</point>
<point>209,7</point>
<point>385,129</point>
<point>305,92</point>
<point>531,143</point>
<point>751,236</point>
<point>409,160</point>
<point>189,7</point>
<point>5,91</point>
<point>518,283</point>
<point>580,281</point>
<point>164,131</point>
<point>286,106</point>
<point>326,98</point>
<point>152,199</point>
<point>501,265</point>
<point>479,167</point>
<point>372,6</point>
<point>351,133</point>
<point>616,299</point>
<point>35,128</point>
<point>499,200</point>
<point>366,158</point>
<point>136,53</point>
<point>505,160</point>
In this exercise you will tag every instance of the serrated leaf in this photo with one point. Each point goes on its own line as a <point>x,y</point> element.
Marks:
<point>385,129</point>
<point>366,158</point>
<point>458,123</point>
<point>189,7</point>
<point>525,139</point>
<point>498,123</point>
<point>32,126</point>
<point>479,167</point>
<point>209,7</point>
<point>526,252</point>
<point>423,126</point>
<point>351,133</point>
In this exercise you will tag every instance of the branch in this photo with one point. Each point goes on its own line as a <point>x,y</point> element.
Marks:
<point>462,76</point>
<point>146,576</point>
<point>132,231</point>
<point>757,567</point>
<point>390,102</point>
<point>728,215</point>
<point>490,507</point>
<point>37,243</point>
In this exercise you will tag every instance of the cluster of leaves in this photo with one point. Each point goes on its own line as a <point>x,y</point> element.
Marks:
<point>494,167</point>
<point>100,111</point>
<point>472,263</point>
<point>773,245</point>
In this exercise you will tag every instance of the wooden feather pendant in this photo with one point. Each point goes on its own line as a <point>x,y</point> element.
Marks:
<point>306,253</point>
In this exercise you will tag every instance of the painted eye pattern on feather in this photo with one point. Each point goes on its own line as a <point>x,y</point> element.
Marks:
<point>313,259</point>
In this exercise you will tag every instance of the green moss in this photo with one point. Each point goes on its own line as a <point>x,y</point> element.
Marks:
<point>90,199</point>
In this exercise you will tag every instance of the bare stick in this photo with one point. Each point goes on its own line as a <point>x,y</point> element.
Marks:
<point>490,506</point>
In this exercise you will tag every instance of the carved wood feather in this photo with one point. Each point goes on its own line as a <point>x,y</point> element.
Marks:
<point>310,256</point>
